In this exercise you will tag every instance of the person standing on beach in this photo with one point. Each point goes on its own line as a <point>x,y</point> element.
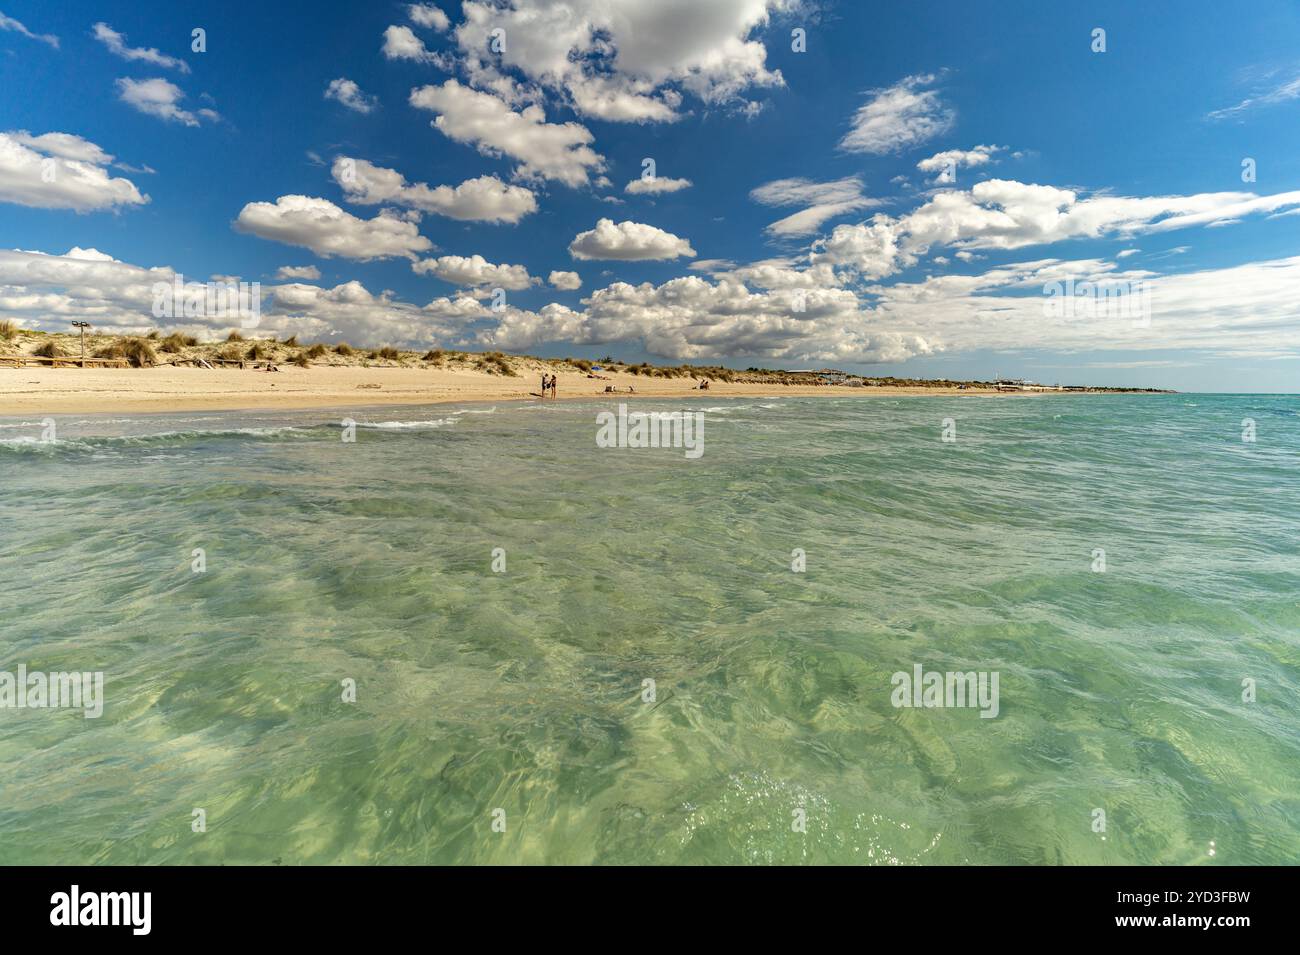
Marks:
<point>545,384</point>
<point>554,379</point>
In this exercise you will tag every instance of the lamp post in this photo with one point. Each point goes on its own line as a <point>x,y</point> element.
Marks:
<point>83,326</point>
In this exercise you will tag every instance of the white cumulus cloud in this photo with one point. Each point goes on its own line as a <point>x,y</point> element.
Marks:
<point>327,230</point>
<point>349,94</point>
<point>161,98</point>
<point>629,242</point>
<point>485,199</point>
<point>60,171</point>
<point>475,271</point>
<point>558,151</point>
<point>427,15</point>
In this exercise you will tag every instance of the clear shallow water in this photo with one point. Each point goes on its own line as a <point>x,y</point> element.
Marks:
<point>523,691</point>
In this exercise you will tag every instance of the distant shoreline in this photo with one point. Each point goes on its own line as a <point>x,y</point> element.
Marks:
<point>167,389</point>
<point>43,373</point>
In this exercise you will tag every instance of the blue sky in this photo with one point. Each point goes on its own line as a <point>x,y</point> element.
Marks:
<point>1047,159</point>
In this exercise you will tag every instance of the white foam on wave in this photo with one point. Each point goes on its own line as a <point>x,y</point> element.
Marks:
<point>405,425</point>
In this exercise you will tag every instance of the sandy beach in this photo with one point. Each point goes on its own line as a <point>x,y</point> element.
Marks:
<point>34,390</point>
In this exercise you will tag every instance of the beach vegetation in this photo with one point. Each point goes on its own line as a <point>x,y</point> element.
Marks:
<point>138,352</point>
<point>176,341</point>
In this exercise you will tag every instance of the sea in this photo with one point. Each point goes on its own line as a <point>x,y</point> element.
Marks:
<point>475,634</point>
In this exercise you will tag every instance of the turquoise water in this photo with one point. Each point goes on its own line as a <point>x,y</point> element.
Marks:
<point>523,691</point>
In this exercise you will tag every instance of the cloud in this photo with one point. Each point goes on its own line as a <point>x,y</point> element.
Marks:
<point>116,43</point>
<point>485,199</point>
<point>824,200</point>
<point>1004,214</point>
<point>349,94</point>
<point>475,271</point>
<point>898,117</point>
<point>770,310</point>
<point>350,312</point>
<point>298,272</point>
<point>565,281</point>
<point>60,171</point>
<point>48,290</point>
<point>711,265</point>
<point>558,151</point>
<point>691,319</point>
<point>628,242</point>
<point>13,26</point>
<point>1243,310</point>
<point>948,162</point>
<point>1279,94</point>
<point>327,230</point>
<point>622,60</point>
<point>401,43</point>
<point>159,97</point>
<point>427,15</point>
<point>655,185</point>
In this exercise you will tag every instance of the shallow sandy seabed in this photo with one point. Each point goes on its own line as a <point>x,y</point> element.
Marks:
<point>88,390</point>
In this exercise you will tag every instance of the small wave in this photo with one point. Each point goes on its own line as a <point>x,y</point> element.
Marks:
<point>103,442</point>
<point>405,425</point>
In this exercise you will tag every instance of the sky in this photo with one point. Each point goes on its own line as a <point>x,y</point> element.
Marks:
<point>1108,195</point>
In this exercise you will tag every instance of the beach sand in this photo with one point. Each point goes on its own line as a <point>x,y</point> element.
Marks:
<point>88,390</point>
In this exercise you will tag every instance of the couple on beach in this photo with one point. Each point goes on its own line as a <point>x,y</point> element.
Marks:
<point>548,381</point>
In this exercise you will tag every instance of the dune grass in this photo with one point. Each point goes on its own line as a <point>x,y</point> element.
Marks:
<point>137,351</point>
